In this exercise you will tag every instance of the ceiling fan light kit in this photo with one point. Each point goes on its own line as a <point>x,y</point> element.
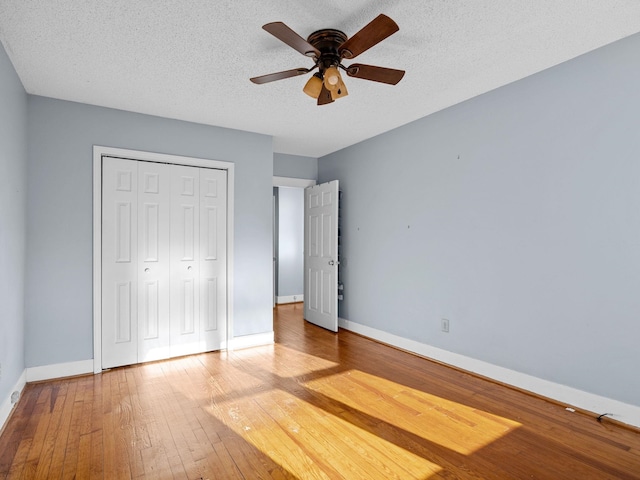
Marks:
<point>327,48</point>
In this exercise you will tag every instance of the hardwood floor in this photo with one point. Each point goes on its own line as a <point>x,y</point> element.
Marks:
<point>316,405</point>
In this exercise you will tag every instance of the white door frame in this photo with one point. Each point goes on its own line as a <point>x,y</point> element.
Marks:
<point>293,182</point>
<point>98,153</point>
<point>286,182</point>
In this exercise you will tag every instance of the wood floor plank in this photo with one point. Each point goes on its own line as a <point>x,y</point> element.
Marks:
<point>316,405</point>
<point>70,464</point>
<point>62,433</point>
<point>222,461</point>
<point>83,466</point>
<point>56,407</point>
<point>16,443</point>
<point>43,414</point>
<point>20,459</point>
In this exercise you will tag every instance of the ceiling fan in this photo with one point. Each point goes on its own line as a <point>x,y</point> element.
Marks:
<point>328,47</point>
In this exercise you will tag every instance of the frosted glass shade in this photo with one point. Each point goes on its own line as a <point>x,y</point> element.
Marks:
<point>332,78</point>
<point>339,92</point>
<point>313,86</point>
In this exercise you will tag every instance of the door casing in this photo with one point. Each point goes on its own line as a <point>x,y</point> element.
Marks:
<point>98,153</point>
<point>292,183</point>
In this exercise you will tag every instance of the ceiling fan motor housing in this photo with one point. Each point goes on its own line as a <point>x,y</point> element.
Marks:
<point>328,42</point>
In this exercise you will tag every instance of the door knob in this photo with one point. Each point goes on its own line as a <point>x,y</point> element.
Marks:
<point>331,262</point>
<point>189,267</point>
<point>146,269</point>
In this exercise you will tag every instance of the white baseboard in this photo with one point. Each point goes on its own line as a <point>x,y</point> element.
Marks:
<point>622,412</point>
<point>255,340</point>
<point>7,405</point>
<point>59,370</point>
<point>290,299</point>
<point>82,367</point>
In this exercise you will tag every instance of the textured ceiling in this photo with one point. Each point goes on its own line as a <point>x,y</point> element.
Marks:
<point>192,59</point>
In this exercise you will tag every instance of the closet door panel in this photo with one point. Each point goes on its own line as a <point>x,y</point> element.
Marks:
<point>213,259</point>
<point>154,215</point>
<point>119,262</point>
<point>184,246</point>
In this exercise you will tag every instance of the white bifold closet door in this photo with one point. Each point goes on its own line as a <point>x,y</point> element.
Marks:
<point>164,290</point>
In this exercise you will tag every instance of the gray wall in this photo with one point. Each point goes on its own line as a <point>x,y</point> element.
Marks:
<point>13,200</point>
<point>59,222</point>
<point>516,215</point>
<point>290,241</point>
<point>295,166</point>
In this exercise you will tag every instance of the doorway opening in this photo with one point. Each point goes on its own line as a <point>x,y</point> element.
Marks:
<point>288,239</point>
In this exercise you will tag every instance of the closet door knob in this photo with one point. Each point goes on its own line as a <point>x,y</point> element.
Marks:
<point>146,269</point>
<point>189,267</point>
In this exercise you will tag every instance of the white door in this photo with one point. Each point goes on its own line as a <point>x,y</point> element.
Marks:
<point>154,200</point>
<point>185,265</point>
<point>119,262</point>
<point>213,259</point>
<point>321,255</point>
<point>164,261</point>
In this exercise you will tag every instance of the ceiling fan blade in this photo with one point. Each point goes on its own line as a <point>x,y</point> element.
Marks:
<point>272,77</point>
<point>377,74</point>
<point>291,38</point>
<point>377,30</point>
<point>325,96</point>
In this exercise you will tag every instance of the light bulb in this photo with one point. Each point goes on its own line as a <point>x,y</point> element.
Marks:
<point>332,78</point>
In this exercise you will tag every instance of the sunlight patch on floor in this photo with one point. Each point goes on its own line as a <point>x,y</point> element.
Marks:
<point>301,437</point>
<point>457,427</point>
<point>288,407</point>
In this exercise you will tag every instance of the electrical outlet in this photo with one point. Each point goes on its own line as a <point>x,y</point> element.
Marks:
<point>445,325</point>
